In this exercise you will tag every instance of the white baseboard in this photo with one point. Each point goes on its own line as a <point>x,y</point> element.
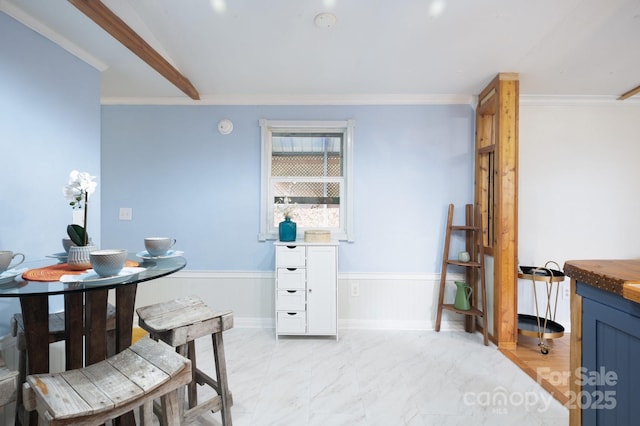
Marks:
<point>351,324</point>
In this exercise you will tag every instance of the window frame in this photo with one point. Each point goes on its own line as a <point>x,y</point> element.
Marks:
<point>267,128</point>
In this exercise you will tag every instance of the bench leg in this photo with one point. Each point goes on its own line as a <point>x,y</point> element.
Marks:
<point>221,375</point>
<point>192,388</point>
<point>184,351</point>
<point>171,412</point>
<point>146,413</point>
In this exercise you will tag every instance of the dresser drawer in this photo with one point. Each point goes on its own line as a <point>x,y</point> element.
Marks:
<point>291,300</point>
<point>290,256</point>
<point>292,322</point>
<point>291,278</point>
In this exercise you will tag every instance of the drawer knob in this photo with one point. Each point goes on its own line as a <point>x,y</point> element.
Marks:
<point>291,269</point>
<point>310,290</point>
<point>291,247</point>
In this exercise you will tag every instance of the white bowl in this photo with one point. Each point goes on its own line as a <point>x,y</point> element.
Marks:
<point>108,263</point>
<point>66,243</point>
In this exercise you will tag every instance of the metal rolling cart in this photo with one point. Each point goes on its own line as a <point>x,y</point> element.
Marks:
<point>536,326</point>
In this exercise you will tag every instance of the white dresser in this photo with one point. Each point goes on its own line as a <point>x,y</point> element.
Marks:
<point>306,288</point>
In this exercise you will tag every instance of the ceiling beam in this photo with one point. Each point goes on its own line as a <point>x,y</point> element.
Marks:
<point>629,94</point>
<point>111,23</point>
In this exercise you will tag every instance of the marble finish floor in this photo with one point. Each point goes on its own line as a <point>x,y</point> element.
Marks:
<point>376,377</point>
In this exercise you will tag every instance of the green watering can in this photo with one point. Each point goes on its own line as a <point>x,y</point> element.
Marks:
<point>463,296</point>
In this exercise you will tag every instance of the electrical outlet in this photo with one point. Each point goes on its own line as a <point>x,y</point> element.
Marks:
<point>355,289</point>
<point>125,213</point>
<point>566,292</point>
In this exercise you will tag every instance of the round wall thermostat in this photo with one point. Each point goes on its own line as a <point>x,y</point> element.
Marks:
<point>225,126</point>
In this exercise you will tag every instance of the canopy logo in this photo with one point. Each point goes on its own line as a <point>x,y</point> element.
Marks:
<point>499,400</point>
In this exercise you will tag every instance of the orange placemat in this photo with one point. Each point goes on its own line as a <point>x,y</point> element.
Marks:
<point>54,272</point>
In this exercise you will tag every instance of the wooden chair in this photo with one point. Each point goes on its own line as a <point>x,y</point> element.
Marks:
<point>110,388</point>
<point>56,334</point>
<point>179,323</point>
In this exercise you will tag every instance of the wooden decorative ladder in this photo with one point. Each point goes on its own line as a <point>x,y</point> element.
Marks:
<point>474,267</point>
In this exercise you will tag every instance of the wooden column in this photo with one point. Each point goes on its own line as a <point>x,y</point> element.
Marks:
<point>496,193</point>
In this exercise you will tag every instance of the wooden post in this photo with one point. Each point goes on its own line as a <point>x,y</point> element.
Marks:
<point>496,194</point>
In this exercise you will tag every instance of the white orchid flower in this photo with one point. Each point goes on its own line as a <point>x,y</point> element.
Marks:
<point>80,184</point>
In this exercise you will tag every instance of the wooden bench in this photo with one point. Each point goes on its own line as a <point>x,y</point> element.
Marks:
<point>110,388</point>
<point>56,334</point>
<point>179,323</point>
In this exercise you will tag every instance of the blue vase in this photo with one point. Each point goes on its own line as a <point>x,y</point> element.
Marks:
<point>287,230</point>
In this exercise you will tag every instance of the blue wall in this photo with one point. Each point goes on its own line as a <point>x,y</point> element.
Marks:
<point>183,179</point>
<point>49,125</point>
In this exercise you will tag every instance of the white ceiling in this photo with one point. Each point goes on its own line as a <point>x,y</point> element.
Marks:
<point>261,51</point>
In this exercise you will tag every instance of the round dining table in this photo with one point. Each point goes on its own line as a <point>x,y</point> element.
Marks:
<point>85,309</point>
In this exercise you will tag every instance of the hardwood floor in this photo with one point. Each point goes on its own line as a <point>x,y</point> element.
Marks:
<point>552,370</point>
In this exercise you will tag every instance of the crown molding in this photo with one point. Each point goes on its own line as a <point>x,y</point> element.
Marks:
<point>575,100</point>
<point>331,99</point>
<point>40,28</point>
<point>373,99</point>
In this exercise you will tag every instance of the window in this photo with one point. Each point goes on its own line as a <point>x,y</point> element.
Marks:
<point>486,177</point>
<point>309,164</point>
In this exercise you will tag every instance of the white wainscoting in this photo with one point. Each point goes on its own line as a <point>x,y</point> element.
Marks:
<point>385,301</point>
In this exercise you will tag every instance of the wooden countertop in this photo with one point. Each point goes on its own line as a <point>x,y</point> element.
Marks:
<point>617,276</point>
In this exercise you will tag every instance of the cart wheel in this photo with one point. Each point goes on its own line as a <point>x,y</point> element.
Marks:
<point>544,349</point>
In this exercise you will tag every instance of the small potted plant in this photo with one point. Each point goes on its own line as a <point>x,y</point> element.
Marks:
<point>77,191</point>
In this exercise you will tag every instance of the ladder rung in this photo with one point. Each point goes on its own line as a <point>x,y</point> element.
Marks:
<point>459,263</point>
<point>465,228</point>
<point>473,311</point>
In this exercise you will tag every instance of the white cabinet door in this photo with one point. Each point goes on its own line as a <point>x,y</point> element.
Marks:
<point>321,290</point>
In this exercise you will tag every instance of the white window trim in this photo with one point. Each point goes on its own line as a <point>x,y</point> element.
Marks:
<point>269,126</point>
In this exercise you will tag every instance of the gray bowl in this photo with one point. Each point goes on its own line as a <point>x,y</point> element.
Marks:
<point>108,263</point>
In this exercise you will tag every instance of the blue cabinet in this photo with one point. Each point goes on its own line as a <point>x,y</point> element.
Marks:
<point>610,372</point>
